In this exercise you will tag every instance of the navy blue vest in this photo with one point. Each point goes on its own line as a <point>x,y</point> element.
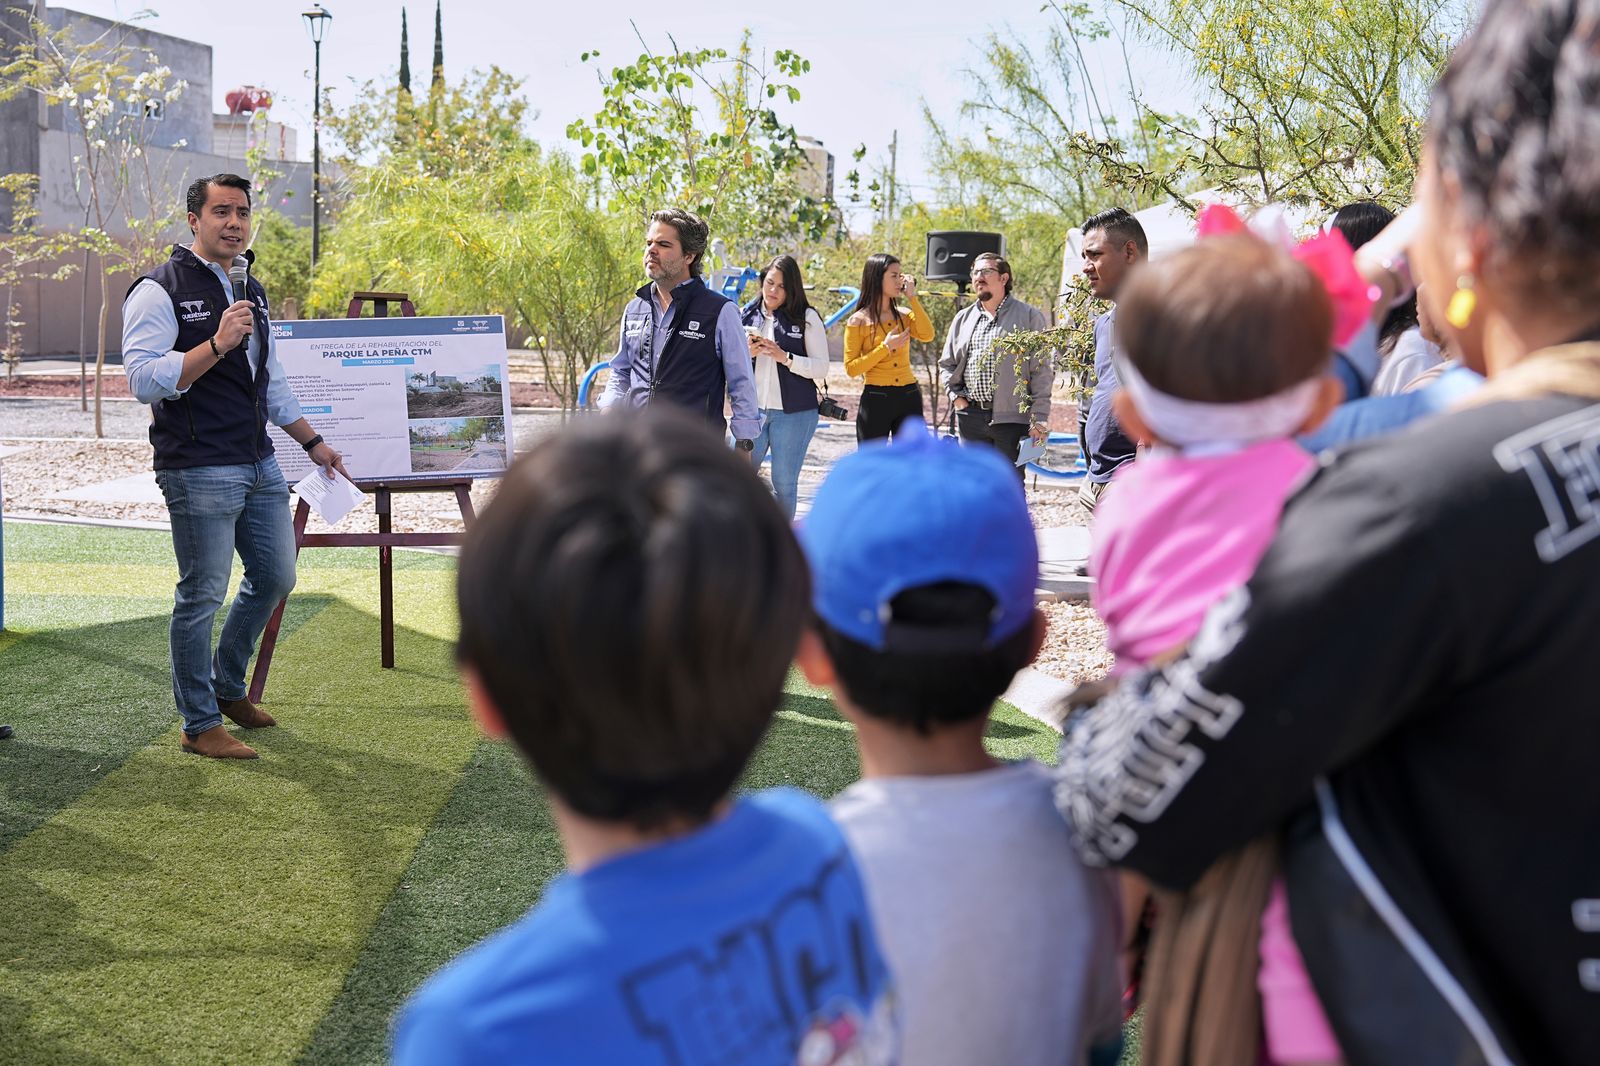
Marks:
<point>687,371</point>
<point>222,419</point>
<point>799,393</point>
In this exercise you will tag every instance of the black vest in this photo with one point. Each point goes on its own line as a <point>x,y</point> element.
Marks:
<point>687,371</point>
<point>222,419</point>
<point>799,393</point>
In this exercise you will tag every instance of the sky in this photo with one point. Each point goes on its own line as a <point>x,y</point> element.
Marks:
<point>870,72</point>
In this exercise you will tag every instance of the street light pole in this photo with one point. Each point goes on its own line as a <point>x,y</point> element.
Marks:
<point>317,20</point>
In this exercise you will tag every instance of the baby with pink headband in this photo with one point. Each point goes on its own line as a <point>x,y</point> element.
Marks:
<point>1223,350</point>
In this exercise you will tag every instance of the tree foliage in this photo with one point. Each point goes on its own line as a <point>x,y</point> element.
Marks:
<point>1047,140</point>
<point>1302,101</point>
<point>501,228</point>
<point>26,254</point>
<point>1306,102</point>
<point>283,257</point>
<point>111,91</point>
<point>476,119</point>
<point>701,129</point>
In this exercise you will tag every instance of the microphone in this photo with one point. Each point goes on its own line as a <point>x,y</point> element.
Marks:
<point>237,274</point>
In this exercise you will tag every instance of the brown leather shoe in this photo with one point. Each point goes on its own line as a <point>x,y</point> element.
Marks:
<point>217,743</point>
<point>246,714</point>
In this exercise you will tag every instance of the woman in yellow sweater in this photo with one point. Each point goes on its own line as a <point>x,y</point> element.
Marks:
<point>877,344</point>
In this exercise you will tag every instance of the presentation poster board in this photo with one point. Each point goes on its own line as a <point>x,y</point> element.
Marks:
<point>401,398</point>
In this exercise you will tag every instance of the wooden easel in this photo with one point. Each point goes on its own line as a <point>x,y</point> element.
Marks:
<point>385,540</point>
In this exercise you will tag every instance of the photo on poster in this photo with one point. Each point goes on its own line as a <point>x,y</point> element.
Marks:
<point>446,445</point>
<point>474,391</point>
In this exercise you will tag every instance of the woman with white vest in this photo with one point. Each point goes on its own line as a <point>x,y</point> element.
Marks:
<point>790,348</point>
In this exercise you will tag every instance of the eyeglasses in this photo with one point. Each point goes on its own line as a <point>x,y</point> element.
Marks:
<point>979,272</point>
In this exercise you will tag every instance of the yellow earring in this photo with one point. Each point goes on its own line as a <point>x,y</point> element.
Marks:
<point>1462,303</point>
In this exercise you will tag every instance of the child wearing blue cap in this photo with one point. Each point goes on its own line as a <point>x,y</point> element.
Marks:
<point>630,604</point>
<point>1004,945</point>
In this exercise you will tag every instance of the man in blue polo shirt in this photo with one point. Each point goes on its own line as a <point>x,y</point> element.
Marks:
<point>681,342</point>
<point>205,364</point>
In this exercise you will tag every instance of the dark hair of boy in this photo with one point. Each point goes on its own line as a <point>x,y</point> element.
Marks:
<point>795,304</point>
<point>1121,227</point>
<point>630,604</point>
<point>200,189</point>
<point>928,689</point>
<point>1227,320</point>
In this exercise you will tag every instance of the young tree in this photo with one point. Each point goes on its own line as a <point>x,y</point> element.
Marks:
<point>110,90</point>
<point>701,129</point>
<point>470,216</point>
<point>405,55</point>
<point>1046,126</point>
<point>25,255</point>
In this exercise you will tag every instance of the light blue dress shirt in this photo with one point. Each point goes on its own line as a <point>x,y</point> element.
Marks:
<point>150,329</point>
<point>1374,416</point>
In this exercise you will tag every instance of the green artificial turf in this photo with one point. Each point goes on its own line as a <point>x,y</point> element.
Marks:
<point>165,908</point>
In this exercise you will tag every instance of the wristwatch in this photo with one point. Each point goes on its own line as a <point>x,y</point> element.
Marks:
<point>745,445</point>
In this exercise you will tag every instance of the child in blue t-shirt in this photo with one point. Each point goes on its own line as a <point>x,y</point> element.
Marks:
<point>630,604</point>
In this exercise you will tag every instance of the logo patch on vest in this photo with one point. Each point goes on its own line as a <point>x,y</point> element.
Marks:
<point>693,332</point>
<point>194,310</point>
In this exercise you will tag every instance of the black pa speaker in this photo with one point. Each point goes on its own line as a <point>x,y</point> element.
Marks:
<point>951,252</point>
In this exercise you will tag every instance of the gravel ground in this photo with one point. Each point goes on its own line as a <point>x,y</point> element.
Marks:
<point>62,456</point>
<point>1075,647</point>
<point>122,419</point>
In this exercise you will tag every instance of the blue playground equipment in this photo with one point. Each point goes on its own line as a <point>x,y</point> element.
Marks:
<point>850,305</point>
<point>733,285</point>
<point>1078,470</point>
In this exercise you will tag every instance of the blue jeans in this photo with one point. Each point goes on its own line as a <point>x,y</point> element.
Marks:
<point>788,435</point>
<point>217,510</point>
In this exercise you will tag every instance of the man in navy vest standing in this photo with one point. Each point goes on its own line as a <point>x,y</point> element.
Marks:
<point>204,362</point>
<point>681,342</point>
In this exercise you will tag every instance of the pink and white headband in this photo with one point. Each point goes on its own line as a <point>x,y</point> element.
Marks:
<point>1199,428</point>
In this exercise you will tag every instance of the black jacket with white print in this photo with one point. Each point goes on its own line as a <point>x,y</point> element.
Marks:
<point>1409,688</point>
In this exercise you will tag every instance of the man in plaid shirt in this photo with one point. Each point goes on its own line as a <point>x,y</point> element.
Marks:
<point>997,402</point>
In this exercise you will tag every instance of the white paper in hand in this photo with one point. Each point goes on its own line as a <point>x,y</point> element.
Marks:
<point>332,498</point>
<point>1029,451</point>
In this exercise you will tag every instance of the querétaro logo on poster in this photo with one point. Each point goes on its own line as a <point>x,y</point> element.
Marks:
<point>402,397</point>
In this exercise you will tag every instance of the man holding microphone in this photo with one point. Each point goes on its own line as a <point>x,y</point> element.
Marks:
<point>197,347</point>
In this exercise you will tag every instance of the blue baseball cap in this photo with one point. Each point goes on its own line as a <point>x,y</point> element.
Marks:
<point>920,511</point>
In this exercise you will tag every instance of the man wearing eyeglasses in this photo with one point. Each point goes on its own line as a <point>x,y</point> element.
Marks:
<point>997,402</point>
